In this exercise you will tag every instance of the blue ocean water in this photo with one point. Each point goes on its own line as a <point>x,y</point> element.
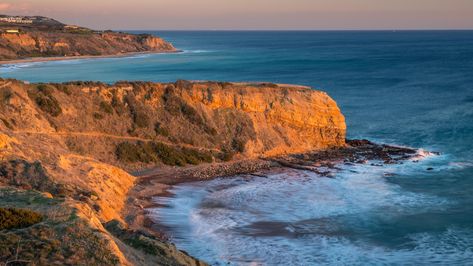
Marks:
<point>411,88</point>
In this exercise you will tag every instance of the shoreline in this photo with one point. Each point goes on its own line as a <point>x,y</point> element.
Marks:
<point>157,182</point>
<point>79,57</point>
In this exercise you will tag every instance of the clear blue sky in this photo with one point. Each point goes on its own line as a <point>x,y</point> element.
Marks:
<point>252,14</point>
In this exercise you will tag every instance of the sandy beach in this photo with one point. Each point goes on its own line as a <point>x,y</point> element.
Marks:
<point>65,58</point>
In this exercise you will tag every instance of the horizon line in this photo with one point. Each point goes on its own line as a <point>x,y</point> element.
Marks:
<point>392,30</point>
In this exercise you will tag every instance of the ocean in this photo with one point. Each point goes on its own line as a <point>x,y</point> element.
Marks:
<point>407,88</point>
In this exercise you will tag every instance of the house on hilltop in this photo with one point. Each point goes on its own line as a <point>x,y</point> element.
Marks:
<point>16,20</point>
<point>12,31</point>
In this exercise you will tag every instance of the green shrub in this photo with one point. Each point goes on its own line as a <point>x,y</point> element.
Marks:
<point>64,88</point>
<point>45,89</point>
<point>140,118</point>
<point>227,155</point>
<point>6,123</point>
<point>160,130</point>
<point>155,151</point>
<point>5,95</point>
<point>183,84</point>
<point>191,114</point>
<point>118,105</point>
<point>175,105</point>
<point>49,105</point>
<point>106,107</point>
<point>169,155</point>
<point>45,100</point>
<point>17,218</point>
<point>196,156</point>
<point>210,130</point>
<point>141,152</point>
<point>98,116</point>
<point>238,145</point>
<point>269,85</point>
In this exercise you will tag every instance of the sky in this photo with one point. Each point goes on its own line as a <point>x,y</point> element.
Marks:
<point>251,14</point>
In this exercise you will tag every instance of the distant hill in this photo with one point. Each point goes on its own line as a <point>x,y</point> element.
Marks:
<point>31,21</point>
<point>24,37</point>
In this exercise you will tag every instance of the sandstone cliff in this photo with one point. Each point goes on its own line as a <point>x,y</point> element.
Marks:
<point>72,141</point>
<point>32,43</point>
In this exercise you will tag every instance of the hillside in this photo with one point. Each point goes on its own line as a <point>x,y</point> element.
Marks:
<point>45,37</point>
<point>65,150</point>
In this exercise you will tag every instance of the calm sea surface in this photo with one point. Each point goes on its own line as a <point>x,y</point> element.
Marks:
<point>407,88</point>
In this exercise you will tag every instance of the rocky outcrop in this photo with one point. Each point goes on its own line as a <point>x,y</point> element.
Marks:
<point>66,140</point>
<point>30,44</point>
<point>248,120</point>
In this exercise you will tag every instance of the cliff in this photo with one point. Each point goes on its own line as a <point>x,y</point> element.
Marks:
<point>72,140</point>
<point>59,40</point>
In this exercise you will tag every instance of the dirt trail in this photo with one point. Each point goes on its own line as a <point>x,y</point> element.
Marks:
<point>6,84</point>
<point>104,135</point>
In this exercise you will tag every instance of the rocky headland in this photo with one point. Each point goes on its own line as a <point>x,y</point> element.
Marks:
<point>87,158</point>
<point>67,151</point>
<point>47,39</point>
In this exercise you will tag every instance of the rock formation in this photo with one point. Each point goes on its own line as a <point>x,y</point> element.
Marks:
<point>38,40</point>
<point>69,143</point>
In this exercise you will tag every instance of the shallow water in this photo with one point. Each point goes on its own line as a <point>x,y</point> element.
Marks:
<point>407,88</point>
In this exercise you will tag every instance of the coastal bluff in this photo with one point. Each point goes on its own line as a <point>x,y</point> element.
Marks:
<point>67,151</point>
<point>46,38</point>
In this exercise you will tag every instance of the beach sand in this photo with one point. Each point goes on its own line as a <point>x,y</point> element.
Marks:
<point>64,58</point>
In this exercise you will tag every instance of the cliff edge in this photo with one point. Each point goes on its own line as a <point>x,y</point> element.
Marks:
<point>64,149</point>
<point>43,38</point>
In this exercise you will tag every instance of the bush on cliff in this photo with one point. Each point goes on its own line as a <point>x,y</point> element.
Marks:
<point>5,95</point>
<point>118,105</point>
<point>160,130</point>
<point>138,112</point>
<point>175,105</point>
<point>6,123</point>
<point>11,218</point>
<point>106,107</point>
<point>98,116</point>
<point>155,151</point>
<point>45,100</point>
<point>64,88</point>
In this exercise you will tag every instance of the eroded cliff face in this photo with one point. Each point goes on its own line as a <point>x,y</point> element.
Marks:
<point>48,44</point>
<point>249,120</point>
<point>76,135</point>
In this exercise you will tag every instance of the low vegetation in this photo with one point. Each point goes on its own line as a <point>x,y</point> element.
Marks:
<point>136,239</point>
<point>227,155</point>
<point>140,118</point>
<point>160,130</point>
<point>106,107</point>
<point>98,116</point>
<point>6,123</point>
<point>118,105</point>
<point>18,218</point>
<point>45,100</point>
<point>29,176</point>
<point>149,152</point>
<point>64,88</point>
<point>60,237</point>
<point>176,106</point>
<point>5,95</point>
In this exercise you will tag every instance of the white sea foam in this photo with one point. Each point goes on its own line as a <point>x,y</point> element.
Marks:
<point>195,51</point>
<point>299,218</point>
<point>12,67</point>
